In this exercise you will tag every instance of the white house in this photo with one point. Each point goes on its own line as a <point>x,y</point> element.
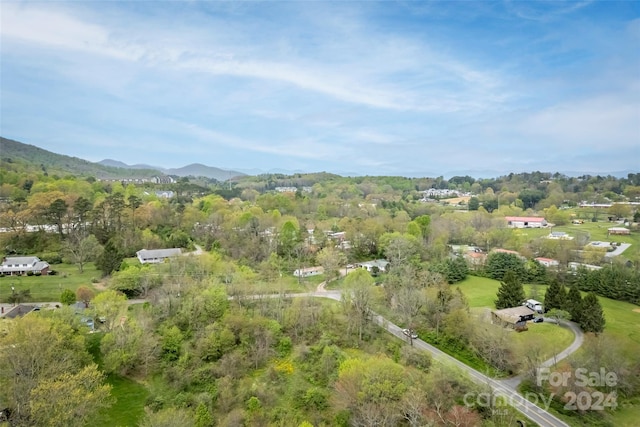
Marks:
<point>157,256</point>
<point>526,222</point>
<point>559,235</point>
<point>309,271</point>
<point>370,266</point>
<point>21,265</point>
<point>548,262</point>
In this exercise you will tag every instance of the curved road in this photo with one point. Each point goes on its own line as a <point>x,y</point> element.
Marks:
<point>506,389</point>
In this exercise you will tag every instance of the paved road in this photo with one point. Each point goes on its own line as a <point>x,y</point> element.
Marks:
<point>503,388</point>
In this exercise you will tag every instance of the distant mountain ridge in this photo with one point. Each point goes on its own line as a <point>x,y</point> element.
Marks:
<point>11,150</point>
<point>114,169</point>
<point>194,169</point>
<point>106,169</point>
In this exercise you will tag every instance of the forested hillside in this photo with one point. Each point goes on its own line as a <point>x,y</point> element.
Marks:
<point>48,162</point>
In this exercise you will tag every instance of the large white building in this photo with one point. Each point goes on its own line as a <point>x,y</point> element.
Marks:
<point>526,222</point>
<point>157,256</point>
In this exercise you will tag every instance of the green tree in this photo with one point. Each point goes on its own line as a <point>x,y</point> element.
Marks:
<point>331,260</point>
<point>592,316</point>
<point>555,297</point>
<point>456,270</point>
<point>372,390</point>
<point>35,350</point>
<point>424,223</point>
<point>498,263</point>
<point>69,399</point>
<point>357,299</point>
<point>203,416</point>
<point>56,213</point>
<point>511,293</point>
<point>172,339</point>
<point>112,307</point>
<point>110,259</point>
<point>474,204</point>
<point>573,303</point>
<point>68,297</point>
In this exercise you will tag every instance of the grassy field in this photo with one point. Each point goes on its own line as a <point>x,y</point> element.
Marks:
<point>128,409</point>
<point>49,288</point>
<point>598,232</point>
<point>623,325</point>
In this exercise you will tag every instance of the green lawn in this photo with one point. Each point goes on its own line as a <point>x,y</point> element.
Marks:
<point>480,291</point>
<point>598,232</point>
<point>128,409</point>
<point>551,338</point>
<point>49,288</point>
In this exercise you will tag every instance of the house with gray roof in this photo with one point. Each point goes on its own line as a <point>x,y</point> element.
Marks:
<point>22,265</point>
<point>157,256</point>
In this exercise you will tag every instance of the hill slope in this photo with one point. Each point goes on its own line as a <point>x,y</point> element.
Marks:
<point>58,163</point>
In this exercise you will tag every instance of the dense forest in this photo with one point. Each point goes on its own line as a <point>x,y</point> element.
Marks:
<point>217,341</point>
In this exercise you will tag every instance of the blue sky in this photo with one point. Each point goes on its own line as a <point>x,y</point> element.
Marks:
<point>370,88</point>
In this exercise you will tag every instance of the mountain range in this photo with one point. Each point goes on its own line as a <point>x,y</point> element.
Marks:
<point>114,169</point>
<point>11,150</point>
<point>194,169</point>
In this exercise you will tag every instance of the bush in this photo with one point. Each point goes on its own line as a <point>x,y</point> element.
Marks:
<point>51,257</point>
<point>53,272</point>
<point>29,273</point>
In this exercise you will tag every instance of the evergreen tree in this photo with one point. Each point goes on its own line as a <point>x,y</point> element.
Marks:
<point>203,416</point>
<point>456,270</point>
<point>555,296</point>
<point>573,303</point>
<point>592,316</point>
<point>110,259</point>
<point>499,263</point>
<point>511,292</point>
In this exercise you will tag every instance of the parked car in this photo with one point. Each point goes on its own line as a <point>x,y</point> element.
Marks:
<point>410,333</point>
<point>538,320</point>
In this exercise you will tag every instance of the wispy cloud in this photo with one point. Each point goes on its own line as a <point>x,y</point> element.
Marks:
<point>330,86</point>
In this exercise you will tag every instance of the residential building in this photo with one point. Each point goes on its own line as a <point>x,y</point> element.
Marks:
<point>514,317</point>
<point>19,266</point>
<point>371,266</point>
<point>309,271</point>
<point>526,222</point>
<point>157,256</point>
<point>559,235</point>
<point>548,262</point>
